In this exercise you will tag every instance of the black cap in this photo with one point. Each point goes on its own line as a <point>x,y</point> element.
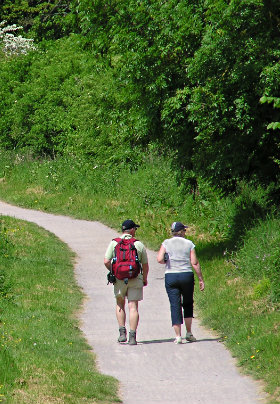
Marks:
<point>129,224</point>
<point>177,226</point>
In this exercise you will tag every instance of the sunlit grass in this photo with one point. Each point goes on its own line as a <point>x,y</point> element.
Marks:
<point>44,357</point>
<point>241,301</point>
<point>249,324</point>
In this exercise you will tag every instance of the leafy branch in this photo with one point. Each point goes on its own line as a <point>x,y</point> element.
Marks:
<point>276,104</point>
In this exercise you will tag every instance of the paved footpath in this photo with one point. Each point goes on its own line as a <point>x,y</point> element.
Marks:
<point>156,371</point>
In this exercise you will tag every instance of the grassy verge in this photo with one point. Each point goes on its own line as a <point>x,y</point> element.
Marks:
<point>246,320</point>
<point>240,302</point>
<point>43,355</point>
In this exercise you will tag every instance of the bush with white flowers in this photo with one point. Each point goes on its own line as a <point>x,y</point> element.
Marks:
<point>12,44</point>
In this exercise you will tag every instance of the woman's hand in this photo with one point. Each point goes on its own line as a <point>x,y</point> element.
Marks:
<point>201,285</point>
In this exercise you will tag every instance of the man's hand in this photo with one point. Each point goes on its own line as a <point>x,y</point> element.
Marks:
<point>107,263</point>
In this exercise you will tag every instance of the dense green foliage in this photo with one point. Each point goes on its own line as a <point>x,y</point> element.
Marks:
<point>63,101</point>
<point>42,19</point>
<point>177,76</point>
<point>199,71</point>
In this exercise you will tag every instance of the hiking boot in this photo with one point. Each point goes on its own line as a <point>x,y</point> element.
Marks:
<point>122,337</point>
<point>178,340</point>
<point>190,337</point>
<point>132,338</point>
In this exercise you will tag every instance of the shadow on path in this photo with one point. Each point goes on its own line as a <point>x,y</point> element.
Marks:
<point>161,341</point>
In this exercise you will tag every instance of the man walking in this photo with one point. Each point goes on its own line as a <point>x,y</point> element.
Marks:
<point>130,287</point>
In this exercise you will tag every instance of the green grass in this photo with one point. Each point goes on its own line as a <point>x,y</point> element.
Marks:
<point>76,187</point>
<point>249,324</point>
<point>241,300</point>
<point>44,357</point>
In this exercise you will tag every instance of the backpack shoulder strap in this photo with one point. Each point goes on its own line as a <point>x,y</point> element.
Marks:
<point>132,241</point>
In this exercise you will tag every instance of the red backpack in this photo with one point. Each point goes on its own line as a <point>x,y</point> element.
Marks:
<point>125,264</point>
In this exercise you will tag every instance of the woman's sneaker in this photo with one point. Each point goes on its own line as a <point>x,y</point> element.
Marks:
<point>178,340</point>
<point>190,337</point>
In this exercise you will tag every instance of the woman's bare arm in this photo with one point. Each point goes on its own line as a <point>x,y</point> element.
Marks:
<point>196,267</point>
<point>160,257</point>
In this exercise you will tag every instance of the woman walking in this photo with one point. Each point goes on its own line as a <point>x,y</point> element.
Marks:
<point>178,254</point>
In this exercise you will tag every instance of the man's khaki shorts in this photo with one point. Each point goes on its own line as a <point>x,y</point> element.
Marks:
<point>133,290</point>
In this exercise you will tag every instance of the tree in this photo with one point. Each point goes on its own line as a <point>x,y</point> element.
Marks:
<point>12,44</point>
<point>226,73</point>
<point>42,19</point>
